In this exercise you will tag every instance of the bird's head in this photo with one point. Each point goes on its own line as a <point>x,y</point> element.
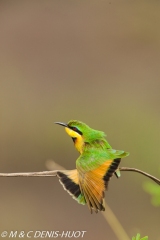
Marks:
<point>81,133</point>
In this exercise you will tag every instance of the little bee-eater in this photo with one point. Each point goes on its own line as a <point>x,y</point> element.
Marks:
<point>94,167</point>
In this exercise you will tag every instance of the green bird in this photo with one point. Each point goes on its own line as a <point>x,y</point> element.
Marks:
<point>94,167</point>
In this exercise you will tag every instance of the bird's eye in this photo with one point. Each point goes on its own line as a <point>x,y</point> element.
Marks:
<point>76,130</point>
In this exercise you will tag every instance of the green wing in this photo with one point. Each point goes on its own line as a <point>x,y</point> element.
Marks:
<point>117,153</point>
<point>94,157</point>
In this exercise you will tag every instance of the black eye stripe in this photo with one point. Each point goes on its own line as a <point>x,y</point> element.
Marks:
<point>76,130</point>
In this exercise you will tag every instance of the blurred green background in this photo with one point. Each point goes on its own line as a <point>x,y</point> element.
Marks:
<point>95,61</point>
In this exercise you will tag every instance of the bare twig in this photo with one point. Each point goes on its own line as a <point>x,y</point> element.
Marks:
<point>31,174</point>
<point>54,173</point>
<point>141,172</point>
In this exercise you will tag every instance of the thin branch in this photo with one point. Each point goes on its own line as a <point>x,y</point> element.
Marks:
<point>141,172</point>
<point>54,173</point>
<point>31,174</point>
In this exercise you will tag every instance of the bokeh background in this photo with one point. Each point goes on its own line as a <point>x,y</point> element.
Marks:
<point>95,61</point>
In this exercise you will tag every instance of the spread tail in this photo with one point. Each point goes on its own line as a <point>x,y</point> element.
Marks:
<point>89,187</point>
<point>70,182</point>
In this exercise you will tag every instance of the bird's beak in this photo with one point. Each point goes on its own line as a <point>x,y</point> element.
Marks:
<point>62,124</point>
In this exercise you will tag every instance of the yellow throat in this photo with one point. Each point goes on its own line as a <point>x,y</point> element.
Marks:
<point>78,142</point>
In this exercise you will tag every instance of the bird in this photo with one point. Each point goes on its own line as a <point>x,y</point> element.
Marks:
<point>94,167</point>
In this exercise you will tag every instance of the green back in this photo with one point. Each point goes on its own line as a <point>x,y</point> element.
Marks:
<point>94,157</point>
<point>96,149</point>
